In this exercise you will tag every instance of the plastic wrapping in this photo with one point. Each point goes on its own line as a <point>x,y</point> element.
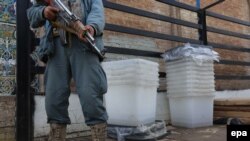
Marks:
<point>141,132</point>
<point>198,53</point>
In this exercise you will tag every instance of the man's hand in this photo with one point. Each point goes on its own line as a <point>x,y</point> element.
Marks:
<point>91,31</point>
<point>81,29</point>
<point>50,13</point>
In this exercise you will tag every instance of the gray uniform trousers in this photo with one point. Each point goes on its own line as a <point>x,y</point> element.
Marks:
<point>91,83</point>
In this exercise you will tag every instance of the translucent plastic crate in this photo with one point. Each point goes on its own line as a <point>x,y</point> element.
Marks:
<point>189,61</point>
<point>131,64</point>
<point>131,103</point>
<point>187,92</point>
<point>189,77</point>
<point>186,67</point>
<point>133,76</point>
<point>193,85</point>
<point>191,111</point>
<point>184,71</point>
<point>140,82</point>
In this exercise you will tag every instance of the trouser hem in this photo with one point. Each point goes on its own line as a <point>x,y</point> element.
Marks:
<point>58,122</point>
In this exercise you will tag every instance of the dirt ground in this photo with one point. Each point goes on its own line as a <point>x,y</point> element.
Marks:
<point>213,133</point>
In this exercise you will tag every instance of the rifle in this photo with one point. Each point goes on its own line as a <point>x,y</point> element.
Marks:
<point>70,18</point>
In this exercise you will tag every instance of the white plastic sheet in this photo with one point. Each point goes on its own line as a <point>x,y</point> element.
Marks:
<point>152,131</point>
<point>199,53</point>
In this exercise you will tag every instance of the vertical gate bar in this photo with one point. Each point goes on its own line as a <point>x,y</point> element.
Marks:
<point>198,3</point>
<point>24,100</point>
<point>203,31</point>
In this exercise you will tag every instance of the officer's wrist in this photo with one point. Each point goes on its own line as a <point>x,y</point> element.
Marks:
<point>93,29</point>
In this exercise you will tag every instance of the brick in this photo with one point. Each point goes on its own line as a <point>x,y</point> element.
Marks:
<point>240,11</point>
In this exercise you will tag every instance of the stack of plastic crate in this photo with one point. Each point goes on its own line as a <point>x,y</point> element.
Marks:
<point>132,91</point>
<point>190,89</point>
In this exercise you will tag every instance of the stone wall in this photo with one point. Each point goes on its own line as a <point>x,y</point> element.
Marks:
<point>7,118</point>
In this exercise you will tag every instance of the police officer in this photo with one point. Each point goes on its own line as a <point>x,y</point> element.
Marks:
<point>69,56</point>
